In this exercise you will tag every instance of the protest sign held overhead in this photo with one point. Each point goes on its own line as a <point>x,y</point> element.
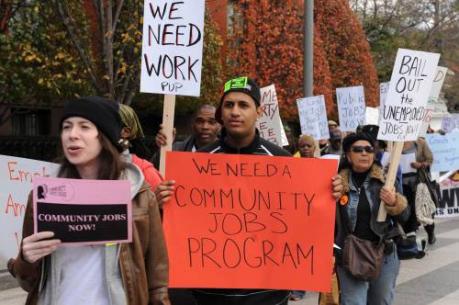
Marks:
<point>450,122</point>
<point>238,221</point>
<point>16,176</point>
<point>313,117</point>
<point>383,88</point>
<point>437,85</point>
<point>436,107</point>
<point>269,124</point>
<point>371,116</point>
<point>445,150</point>
<point>172,43</point>
<point>405,106</point>
<point>83,211</point>
<point>351,107</point>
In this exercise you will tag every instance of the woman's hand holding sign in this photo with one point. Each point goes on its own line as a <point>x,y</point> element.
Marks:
<point>337,186</point>
<point>388,196</point>
<point>39,245</point>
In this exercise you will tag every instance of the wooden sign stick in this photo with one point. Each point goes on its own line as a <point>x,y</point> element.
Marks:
<point>394,161</point>
<point>390,144</point>
<point>168,127</point>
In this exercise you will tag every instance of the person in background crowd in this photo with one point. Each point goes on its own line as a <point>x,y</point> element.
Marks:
<point>134,149</point>
<point>307,147</point>
<point>332,125</point>
<point>323,145</point>
<point>423,161</point>
<point>291,138</point>
<point>238,112</point>
<point>133,273</point>
<point>356,213</point>
<point>334,146</point>
<point>205,129</point>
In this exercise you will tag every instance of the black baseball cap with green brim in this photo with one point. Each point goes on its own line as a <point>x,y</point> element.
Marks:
<point>242,84</point>
<point>245,85</point>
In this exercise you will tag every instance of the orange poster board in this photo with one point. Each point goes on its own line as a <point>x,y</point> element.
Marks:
<point>244,221</point>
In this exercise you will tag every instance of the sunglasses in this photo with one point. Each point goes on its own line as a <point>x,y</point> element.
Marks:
<point>361,149</point>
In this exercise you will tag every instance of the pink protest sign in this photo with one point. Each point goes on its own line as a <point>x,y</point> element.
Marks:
<point>83,211</point>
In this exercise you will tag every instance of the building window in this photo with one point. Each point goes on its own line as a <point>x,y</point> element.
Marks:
<point>30,122</point>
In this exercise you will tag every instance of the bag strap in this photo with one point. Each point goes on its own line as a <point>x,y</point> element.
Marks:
<point>402,232</point>
<point>422,175</point>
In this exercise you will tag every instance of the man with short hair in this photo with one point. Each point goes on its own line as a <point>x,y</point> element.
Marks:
<point>332,125</point>
<point>334,143</point>
<point>205,130</point>
<point>238,112</point>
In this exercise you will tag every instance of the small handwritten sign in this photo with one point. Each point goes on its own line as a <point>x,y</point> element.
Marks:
<point>269,124</point>
<point>445,150</point>
<point>351,107</point>
<point>16,176</point>
<point>450,122</point>
<point>313,117</point>
<point>436,107</point>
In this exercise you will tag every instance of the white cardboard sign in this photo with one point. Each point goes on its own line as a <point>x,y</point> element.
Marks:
<point>313,117</point>
<point>269,124</point>
<point>436,106</point>
<point>351,107</point>
<point>445,150</point>
<point>450,122</point>
<point>16,175</point>
<point>405,106</point>
<point>383,88</point>
<point>173,34</point>
<point>371,116</point>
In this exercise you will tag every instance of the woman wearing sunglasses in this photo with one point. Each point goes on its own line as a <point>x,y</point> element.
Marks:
<point>356,214</point>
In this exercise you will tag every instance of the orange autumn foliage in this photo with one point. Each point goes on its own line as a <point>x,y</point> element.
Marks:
<point>268,46</point>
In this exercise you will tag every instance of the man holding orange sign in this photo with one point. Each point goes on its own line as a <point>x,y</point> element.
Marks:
<point>243,219</point>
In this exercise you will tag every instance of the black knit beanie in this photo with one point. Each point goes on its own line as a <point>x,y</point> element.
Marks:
<point>354,137</point>
<point>241,84</point>
<point>100,111</point>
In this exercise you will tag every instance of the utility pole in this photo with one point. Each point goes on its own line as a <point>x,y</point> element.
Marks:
<point>308,69</point>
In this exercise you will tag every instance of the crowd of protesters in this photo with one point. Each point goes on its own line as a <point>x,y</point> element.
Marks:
<point>101,140</point>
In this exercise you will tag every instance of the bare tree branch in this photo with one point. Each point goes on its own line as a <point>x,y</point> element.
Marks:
<point>107,21</point>
<point>118,7</point>
<point>66,19</point>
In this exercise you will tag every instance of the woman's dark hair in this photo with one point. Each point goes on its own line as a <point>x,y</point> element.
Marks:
<point>111,164</point>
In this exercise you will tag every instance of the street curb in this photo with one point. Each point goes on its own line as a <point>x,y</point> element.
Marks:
<point>7,281</point>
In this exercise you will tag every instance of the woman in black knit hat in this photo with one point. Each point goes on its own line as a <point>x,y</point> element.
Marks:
<point>134,273</point>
